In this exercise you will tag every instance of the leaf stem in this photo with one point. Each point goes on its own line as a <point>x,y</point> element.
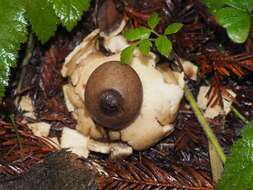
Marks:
<point>211,136</point>
<point>154,32</point>
<point>239,115</point>
<point>19,139</point>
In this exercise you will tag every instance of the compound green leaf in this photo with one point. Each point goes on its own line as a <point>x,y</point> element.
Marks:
<point>238,170</point>
<point>246,5</point>
<point>70,11</point>
<point>236,22</point>
<point>13,31</point>
<point>42,18</point>
<point>214,4</point>
<point>44,15</point>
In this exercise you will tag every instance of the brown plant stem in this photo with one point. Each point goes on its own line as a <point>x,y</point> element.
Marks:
<point>19,139</point>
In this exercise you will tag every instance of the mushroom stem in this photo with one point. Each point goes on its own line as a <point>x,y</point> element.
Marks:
<point>110,102</point>
<point>208,131</point>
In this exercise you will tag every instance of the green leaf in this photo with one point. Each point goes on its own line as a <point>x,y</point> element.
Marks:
<point>127,54</point>
<point>236,22</point>
<point>42,17</point>
<point>69,11</point>
<point>238,171</point>
<point>144,46</point>
<point>153,20</point>
<point>173,28</point>
<point>244,5</point>
<point>163,45</point>
<point>13,31</point>
<point>137,34</point>
<point>214,4</point>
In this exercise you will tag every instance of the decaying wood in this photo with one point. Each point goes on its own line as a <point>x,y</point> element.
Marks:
<point>60,170</point>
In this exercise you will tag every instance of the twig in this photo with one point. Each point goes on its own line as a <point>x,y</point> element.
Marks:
<point>239,115</point>
<point>19,139</point>
<point>215,162</point>
<point>211,136</point>
<point>28,55</point>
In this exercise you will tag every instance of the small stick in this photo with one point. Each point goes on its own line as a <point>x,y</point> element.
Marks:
<point>207,129</point>
<point>19,139</point>
<point>239,115</point>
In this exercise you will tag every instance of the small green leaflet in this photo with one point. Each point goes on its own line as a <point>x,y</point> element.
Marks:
<point>236,22</point>
<point>69,11</point>
<point>163,45</point>
<point>13,31</point>
<point>42,18</point>
<point>153,20</point>
<point>142,40</point>
<point>144,46</point>
<point>127,54</point>
<point>137,34</point>
<point>238,171</point>
<point>173,28</point>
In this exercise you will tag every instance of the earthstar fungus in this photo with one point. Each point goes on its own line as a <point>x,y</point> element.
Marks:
<point>133,104</point>
<point>118,108</point>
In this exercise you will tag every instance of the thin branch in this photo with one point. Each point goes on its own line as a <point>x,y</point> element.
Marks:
<point>27,57</point>
<point>19,139</point>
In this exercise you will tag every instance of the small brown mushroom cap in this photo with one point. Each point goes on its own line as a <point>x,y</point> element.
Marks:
<point>109,18</point>
<point>113,95</point>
